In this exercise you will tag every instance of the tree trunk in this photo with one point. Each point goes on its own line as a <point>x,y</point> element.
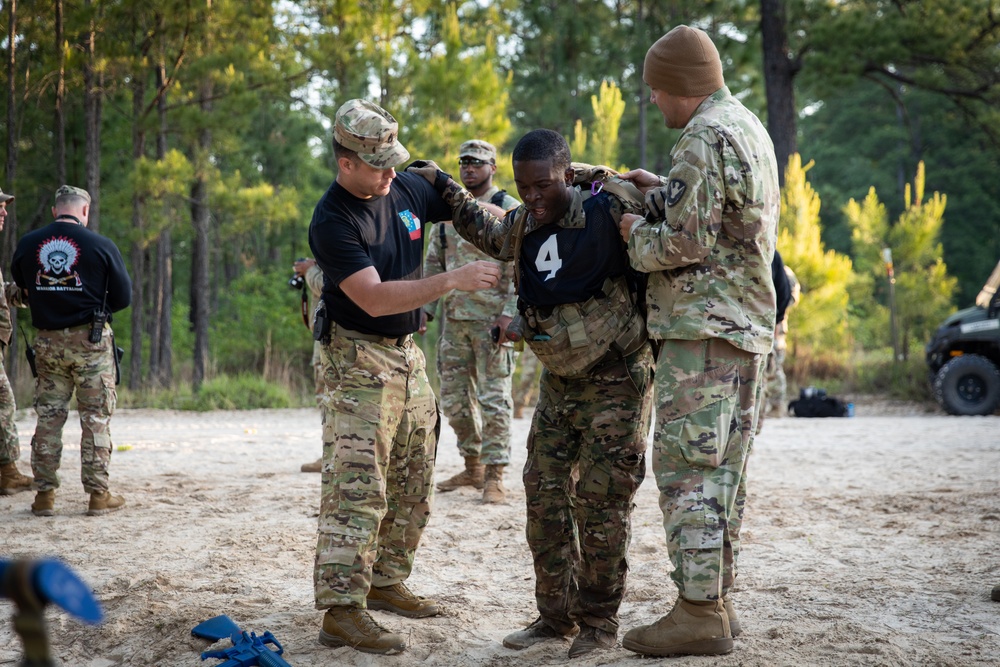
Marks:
<point>160,325</point>
<point>93,93</point>
<point>779,73</point>
<point>10,227</point>
<point>59,118</point>
<point>200,288</point>
<point>138,244</point>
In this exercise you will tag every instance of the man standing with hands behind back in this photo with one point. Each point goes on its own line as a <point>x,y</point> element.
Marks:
<point>476,369</point>
<point>381,429</point>
<point>706,242</point>
<point>74,279</point>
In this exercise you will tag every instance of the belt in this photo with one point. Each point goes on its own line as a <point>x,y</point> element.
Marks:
<point>78,327</point>
<point>398,341</point>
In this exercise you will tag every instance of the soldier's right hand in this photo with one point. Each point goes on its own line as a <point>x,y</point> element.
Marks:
<point>476,275</point>
<point>642,179</point>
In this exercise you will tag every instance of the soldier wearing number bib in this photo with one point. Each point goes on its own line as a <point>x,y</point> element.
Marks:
<point>586,448</point>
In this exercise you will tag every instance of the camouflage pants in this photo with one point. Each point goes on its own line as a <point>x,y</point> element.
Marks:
<point>379,442</point>
<point>775,384</point>
<point>319,382</point>
<point>592,430</point>
<point>706,412</point>
<point>475,389</point>
<point>66,360</point>
<point>525,392</point>
<point>10,446</point>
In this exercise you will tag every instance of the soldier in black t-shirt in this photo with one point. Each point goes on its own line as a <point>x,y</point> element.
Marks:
<point>381,427</point>
<point>70,274</point>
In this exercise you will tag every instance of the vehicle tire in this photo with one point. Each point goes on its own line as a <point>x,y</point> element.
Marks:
<point>968,385</point>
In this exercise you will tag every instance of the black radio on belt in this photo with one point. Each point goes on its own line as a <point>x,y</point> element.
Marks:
<point>97,326</point>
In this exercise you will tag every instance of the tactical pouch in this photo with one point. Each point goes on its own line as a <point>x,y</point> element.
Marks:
<point>574,338</point>
<point>321,324</point>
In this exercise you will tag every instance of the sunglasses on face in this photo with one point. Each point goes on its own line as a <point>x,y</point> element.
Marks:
<point>471,162</point>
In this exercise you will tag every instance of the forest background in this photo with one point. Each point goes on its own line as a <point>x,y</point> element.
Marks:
<point>202,130</point>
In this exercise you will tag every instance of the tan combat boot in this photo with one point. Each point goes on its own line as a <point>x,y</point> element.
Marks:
<point>494,492</point>
<point>471,476</point>
<point>691,628</point>
<point>45,502</point>
<point>399,599</point>
<point>315,466</point>
<point>12,481</point>
<point>103,503</point>
<point>350,626</point>
<point>735,629</point>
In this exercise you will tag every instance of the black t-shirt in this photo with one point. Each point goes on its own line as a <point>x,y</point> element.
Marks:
<point>782,289</point>
<point>65,267</point>
<point>348,234</point>
<point>569,265</point>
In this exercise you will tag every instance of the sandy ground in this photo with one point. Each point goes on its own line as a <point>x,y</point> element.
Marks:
<point>873,540</point>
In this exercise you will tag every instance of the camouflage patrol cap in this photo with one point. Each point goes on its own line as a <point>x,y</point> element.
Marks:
<point>72,191</point>
<point>371,132</point>
<point>481,150</point>
<point>5,198</point>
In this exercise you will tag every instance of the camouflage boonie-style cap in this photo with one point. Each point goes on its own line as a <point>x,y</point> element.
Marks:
<point>72,191</point>
<point>481,150</point>
<point>5,198</point>
<point>371,132</point>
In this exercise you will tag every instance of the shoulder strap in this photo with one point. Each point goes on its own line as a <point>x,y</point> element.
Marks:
<point>498,197</point>
<point>516,236</point>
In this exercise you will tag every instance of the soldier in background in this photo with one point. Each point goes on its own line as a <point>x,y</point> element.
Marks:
<point>707,242</point>
<point>525,391</point>
<point>312,275</point>
<point>475,369</point>
<point>75,279</point>
<point>775,385</point>
<point>11,479</point>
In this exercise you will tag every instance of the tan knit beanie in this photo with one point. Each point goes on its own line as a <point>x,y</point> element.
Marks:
<point>684,62</point>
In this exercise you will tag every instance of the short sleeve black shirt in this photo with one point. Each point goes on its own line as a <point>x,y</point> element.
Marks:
<point>348,234</point>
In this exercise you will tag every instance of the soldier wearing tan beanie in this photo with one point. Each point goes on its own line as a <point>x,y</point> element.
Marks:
<point>684,62</point>
<point>715,214</point>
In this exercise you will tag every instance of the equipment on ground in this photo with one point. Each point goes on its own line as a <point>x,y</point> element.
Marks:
<point>247,650</point>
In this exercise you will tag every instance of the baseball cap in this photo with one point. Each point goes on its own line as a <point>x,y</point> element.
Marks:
<point>5,198</point>
<point>371,132</point>
<point>481,150</point>
<point>72,191</point>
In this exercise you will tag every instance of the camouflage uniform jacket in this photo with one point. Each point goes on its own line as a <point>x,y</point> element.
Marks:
<point>6,327</point>
<point>452,251</point>
<point>709,252</point>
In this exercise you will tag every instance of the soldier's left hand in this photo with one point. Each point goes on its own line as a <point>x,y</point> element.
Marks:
<point>625,225</point>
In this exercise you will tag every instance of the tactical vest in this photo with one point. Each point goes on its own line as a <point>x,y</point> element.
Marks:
<point>573,339</point>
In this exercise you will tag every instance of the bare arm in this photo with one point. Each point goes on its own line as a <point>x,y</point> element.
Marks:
<point>377,298</point>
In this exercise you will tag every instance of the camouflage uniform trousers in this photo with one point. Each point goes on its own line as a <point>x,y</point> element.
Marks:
<point>706,413</point>
<point>475,389</point>
<point>67,360</point>
<point>10,445</point>
<point>379,442</point>
<point>319,381</point>
<point>525,392</point>
<point>775,383</point>
<point>592,430</point>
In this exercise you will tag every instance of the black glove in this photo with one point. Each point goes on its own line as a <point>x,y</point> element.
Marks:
<point>429,170</point>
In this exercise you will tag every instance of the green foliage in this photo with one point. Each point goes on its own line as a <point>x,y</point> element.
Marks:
<point>818,325</point>
<point>923,289</point>
<point>242,392</point>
